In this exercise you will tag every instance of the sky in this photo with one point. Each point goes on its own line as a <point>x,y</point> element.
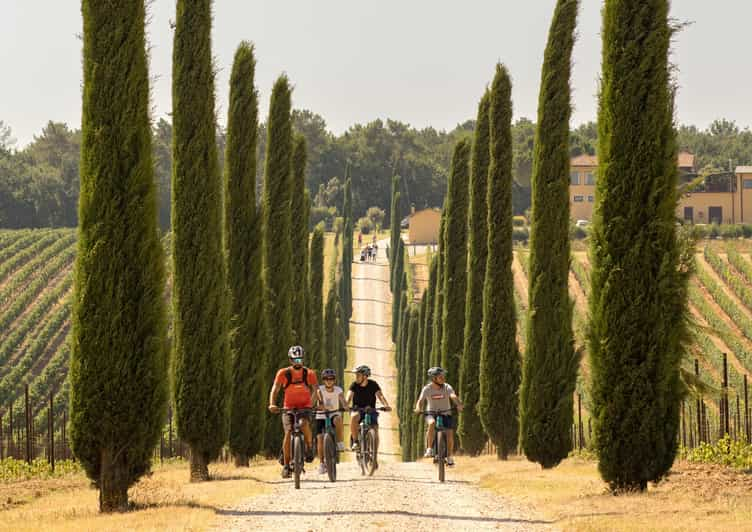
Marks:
<point>423,62</point>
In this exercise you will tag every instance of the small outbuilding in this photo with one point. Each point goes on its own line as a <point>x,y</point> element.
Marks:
<point>423,226</point>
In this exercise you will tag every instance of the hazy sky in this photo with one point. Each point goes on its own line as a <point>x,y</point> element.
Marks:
<point>424,62</point>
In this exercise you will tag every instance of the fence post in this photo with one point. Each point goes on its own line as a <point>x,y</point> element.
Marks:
<point>52,436</point>
<point>738,420</point>
<point>689,424</point>
<point>28,425</point>
<point>725,419</point>
<point>169,434</point>
<point>580,434</point>
<point>699,414</point>
<point>10,432</point>
<point>65,440</point>
<point>683,425</point>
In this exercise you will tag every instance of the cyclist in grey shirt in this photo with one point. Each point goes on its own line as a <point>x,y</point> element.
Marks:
<point>438,396</point>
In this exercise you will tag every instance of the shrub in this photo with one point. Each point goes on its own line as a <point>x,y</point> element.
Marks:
<point>376,216</point>
<point>322,214</point>
<point>730,231</point>
<point>366,225</point>
<point>715,231</point>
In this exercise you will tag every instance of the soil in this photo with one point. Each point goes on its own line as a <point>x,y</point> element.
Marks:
<point>400,496</point>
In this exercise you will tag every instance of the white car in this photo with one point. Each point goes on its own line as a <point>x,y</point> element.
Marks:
<point>582,223</point>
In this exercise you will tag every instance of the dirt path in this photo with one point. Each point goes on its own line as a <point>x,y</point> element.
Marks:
<point>400,496</point>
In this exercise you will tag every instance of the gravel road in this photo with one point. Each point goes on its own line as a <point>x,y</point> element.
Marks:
<point>400,496</point>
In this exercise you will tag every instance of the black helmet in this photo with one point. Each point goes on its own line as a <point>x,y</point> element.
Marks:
<point>363,369</point>
<point>436,371</point>
<point>328,373</point>
<point>296,352</point>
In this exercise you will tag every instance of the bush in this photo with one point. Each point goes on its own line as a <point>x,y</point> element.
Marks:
<point>715,231</point>
<point>700,231</point>
<point>338,224</point>
<point>323,214</point>
<point>730,231</point>
<point>376,216</point>
<point>519,221</point>
<point>365,225</point>
<point>746,230</point>
<point>577,233</point>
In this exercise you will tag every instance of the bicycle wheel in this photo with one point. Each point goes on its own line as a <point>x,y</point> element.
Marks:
<point>441,454</point>
<point>297,458</point>
<point>330,455</point>
<point>362,452</point>
<point>371,456</point>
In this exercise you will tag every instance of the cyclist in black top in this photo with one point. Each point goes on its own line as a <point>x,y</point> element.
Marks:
<point>363,393</point>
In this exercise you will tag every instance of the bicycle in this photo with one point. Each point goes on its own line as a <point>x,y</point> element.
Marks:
<point>297,441</point>
<point>439,440</point>
<point>366,455</point>
<point>331,454</point>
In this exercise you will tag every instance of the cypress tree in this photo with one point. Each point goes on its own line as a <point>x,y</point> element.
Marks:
<point>499,356</point>
<point>412,316</point>
<point>394,226</point>
<point>470,429</point>
<point>638,289</point>
<point>438,308</point>
<point>200,292</point>
<point>118,370</point>
<point>429,319</point>
<point>347,254</point>
<point>243,241</point>
<point>420,370</point>
<point>341,346</point>
<point>316,314</point>
<point>549,371</point>
<point>399,263</point>
<point>299,227</point>
<point>455,263</point>
<point>331,333</point>
<point>401,360</point>
<point>277,251</point>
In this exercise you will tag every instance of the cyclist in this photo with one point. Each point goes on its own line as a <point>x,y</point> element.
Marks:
<point>438,396</point>
<point>299,384</point>
<point>330,397</point>
<point>363,394</point>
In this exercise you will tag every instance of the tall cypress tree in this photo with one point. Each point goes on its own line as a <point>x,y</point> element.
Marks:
<point>499,356</point>
<point>331,333</point>
<point>394,226</point>
<point>412,315</point>
<point>277,251</point>
<point>438,297</point>
<point>243,241</point>
<point>399,264</point>
<point>347,254</point>
<point>549,371</point>
<point>455,263</point>
<point>118,370</point>
<point>638,294</point>
<point>420,370</point>
<point>429,319</point>
<point>299,228</point>
<point>200,292</point>
<point>316,288</point>
<point>470,429</point>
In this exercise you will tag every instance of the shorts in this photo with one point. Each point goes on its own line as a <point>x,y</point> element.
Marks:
<point>289,419</point>
<point>446,420</point>
<point>321,424</point>
<point>374,416</point>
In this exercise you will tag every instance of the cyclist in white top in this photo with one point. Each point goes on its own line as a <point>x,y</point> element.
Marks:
<point>330,398</point>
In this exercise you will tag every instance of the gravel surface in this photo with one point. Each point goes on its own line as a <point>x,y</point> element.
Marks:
<point>400,496</point>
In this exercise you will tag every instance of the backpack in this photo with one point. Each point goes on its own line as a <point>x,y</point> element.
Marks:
<point>288,376</point>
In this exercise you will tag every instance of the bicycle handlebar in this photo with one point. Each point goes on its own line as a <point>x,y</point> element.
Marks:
<point>369,409</point>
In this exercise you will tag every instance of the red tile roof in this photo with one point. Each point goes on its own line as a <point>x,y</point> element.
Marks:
<point>684,160</point>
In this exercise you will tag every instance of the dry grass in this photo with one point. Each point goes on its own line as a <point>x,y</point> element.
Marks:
<point>695,497</point>
<point>163,501</point>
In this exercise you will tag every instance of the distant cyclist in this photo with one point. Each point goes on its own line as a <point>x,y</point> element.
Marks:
<point>331,397</point>
<point>299,385</point>
<point>438,396</point>
<point>363,394</point>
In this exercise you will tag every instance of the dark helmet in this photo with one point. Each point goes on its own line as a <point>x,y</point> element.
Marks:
<point>328,373</point>
<point>296,352</point>
<point>436,371</point>
<point>363,369</point>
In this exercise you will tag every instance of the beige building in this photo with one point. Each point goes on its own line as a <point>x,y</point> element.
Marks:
<point>730,203</point>
<point>423,226</point>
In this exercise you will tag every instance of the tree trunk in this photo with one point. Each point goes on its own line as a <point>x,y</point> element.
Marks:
<point>242,460</point>
<point>113,485</point>
<point>199,467</point>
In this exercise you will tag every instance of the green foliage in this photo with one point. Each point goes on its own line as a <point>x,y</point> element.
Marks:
<point>638,290</point>
<point>438,309</point>
<point>394,228</point>
<point>329,356</point>
<point>470,429</point>
<point>200,291</point>
<point>411,354</point>
<point>316,288</point>
<point>299,229</point>
<point>741,264</point>
<point>725,452</point>
<point>376,216</point>
<point>549,371</point>
<point>118,370</point>
<point>455,261</point>
<point>12,470</point>
<point>347,256</point>
<point>737,285</point>
<point>243,242</point>
<point>499,357</point>
<point>365,225</point>
<point>399,265</point>
<point>277,252</point>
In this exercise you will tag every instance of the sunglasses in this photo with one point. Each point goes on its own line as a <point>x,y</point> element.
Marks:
<point>329,379</point>
<point>297,360</point>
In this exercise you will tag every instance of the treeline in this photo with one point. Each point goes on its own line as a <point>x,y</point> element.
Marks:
<point>640,268</point>
<point>39,183</point>
<point>246,282</point>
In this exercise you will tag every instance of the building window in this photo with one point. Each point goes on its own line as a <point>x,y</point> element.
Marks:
<point>579,199</point>
<point>574,178</point>
<point>590,178</point>
<point>591,199</point>
<point>748,183</point>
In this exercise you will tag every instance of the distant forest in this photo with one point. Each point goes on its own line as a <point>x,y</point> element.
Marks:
<point>39,184</point>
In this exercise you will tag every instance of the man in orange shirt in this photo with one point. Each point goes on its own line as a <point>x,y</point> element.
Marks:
<point>299,384</point>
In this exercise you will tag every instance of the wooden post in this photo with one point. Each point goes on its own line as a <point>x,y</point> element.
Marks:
<point>65,441</point>
<point>579,421</point>
<point>746,412</point>
<point>29,458</point>
<point>699,414</point>
<point>738,422</point>
<point>10,431</point>
<point>683,426</point>
<point>725,417</point>
<point>169,434</point>
<point>691,431</point>
<point>52,436</point>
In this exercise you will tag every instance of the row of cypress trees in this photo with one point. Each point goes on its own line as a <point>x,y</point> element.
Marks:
<point>240,295</point>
